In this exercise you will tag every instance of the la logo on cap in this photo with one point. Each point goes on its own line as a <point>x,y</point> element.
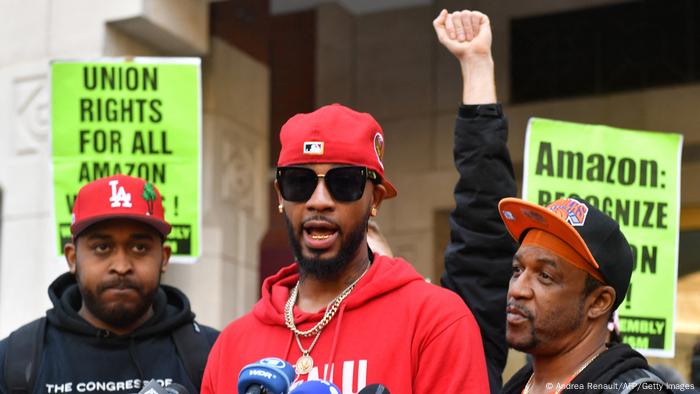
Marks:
<point>313,148</point>
<point>119,197</point>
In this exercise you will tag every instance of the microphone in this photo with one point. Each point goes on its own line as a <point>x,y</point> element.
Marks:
<point>316,387</point>
<point>374,389</point>
<point>269,375</point>
<point>176,388</point>
<point>153,387</point>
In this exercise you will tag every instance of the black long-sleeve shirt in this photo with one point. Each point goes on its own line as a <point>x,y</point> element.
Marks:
<point>479,255</point>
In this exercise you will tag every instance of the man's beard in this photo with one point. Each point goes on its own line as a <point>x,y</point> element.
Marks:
<point>117,314</point>
<point>550,328</point>
<point>329,268</point>
<point>532,340</point>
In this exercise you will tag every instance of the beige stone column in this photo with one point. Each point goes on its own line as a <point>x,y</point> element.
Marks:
<point>224,284</point>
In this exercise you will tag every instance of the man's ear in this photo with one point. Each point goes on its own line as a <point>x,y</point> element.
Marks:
<point>70,251</point>
<point>378,194</point>
<point>167,252</point>
<point>280,200</point>
<point>601,302</point>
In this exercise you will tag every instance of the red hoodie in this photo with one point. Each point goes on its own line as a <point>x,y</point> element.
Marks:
<point>394,328</point>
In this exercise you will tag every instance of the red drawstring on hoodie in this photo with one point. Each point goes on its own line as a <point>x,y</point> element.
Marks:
<point>336,334</point>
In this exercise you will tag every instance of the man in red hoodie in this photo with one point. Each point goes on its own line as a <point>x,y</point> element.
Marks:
<point>341,312</point>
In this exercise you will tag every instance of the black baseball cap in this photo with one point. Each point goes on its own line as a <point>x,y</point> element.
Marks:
<point>591,233</point>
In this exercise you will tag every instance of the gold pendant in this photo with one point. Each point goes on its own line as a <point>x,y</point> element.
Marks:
<point>304,364</point>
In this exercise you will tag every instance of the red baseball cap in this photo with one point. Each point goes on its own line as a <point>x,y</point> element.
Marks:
<point>334,134</point>
<point>118,196</point>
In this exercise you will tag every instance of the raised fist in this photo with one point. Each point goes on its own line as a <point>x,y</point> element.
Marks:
<point>466,34</point>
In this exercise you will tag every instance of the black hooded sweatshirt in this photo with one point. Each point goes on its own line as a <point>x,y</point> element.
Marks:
<point>79,358</point>
<point>598,376</point>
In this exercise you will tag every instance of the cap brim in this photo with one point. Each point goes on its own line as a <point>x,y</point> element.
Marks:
<point>520,215</point>
<point>390,189</point>
<point>161,226</point>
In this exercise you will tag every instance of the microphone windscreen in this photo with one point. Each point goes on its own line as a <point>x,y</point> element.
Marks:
<point>316,387</point>
<point>374,389</point>
<point>274,374</point>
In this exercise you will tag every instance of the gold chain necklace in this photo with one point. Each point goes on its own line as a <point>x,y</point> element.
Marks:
<point>527,388</point>
<point>305,363</point>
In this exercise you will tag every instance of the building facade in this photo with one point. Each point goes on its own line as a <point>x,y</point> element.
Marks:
<point>263,62</point>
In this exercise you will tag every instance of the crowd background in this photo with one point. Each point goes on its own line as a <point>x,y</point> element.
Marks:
<point>264,61</point>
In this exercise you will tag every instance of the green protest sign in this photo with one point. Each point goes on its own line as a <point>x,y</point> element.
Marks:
<point>139,117</point>
<point>634,177</point>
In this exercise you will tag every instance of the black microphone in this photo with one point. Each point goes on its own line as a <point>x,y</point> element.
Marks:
<point>153,387</point>
<point>175,388</point>
<point>316,387</point>
<point>374,389</point>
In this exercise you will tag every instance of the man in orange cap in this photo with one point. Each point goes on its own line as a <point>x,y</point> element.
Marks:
<point>570,272</point>
<point>341,312</point>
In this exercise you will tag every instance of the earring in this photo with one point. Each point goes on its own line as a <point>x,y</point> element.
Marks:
<point>280,208</point>
<point>373,212</point>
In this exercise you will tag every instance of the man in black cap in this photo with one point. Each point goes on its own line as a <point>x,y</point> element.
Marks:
<point>571,270</point>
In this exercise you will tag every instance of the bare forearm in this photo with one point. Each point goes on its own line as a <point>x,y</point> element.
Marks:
<point>478,77</point>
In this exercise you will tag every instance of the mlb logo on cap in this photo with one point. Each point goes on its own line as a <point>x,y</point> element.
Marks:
<point>313,148</point>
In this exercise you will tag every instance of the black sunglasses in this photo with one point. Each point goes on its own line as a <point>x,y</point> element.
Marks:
<point>345,184</point>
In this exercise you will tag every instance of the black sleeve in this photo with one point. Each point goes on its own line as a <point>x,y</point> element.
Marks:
<point>695,366</point>
<point>478,257</point>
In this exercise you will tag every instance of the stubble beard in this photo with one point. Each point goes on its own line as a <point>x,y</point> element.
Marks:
<point>550,330</point>
<point>117,314</point>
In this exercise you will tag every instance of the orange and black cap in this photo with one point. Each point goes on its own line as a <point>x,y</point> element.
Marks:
<point>595,236</point>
